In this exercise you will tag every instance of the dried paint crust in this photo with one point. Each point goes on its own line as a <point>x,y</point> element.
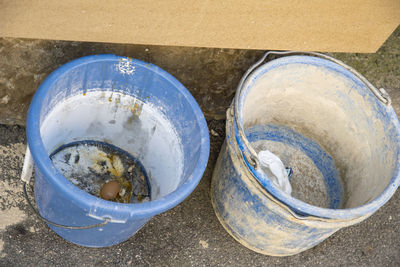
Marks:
<point>323,103</point>
<point>90,165</point>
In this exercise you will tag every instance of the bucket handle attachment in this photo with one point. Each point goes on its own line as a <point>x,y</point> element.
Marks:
<point>251,157</point>
<point>308,219</point>
<point>26,175</point>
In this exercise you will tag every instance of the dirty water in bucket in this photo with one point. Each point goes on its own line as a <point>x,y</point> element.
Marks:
<point>315,179</point>
<point>111,132</point>
<point>94,166</point>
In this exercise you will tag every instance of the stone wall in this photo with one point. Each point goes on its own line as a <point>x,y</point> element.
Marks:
<point>211,75</point>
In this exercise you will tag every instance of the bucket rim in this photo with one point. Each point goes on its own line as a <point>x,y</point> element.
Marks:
<point>85,200</point>
<point>300,207</point>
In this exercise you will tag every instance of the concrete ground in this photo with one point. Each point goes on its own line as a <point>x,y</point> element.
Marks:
<point>190,234</point>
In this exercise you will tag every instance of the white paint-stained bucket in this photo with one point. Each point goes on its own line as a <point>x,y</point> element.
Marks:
<point>338,133</point>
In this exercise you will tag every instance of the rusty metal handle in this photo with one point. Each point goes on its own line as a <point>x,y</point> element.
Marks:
<point>106,220</point>
<point>26,175</point>
<point>251,157</point>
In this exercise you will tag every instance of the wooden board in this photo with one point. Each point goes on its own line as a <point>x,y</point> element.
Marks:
<point>312,25</point>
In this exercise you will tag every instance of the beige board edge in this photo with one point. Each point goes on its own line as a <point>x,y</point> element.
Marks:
<point>314,25</point>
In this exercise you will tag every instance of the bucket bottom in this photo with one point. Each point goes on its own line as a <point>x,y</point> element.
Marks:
<point>315,179</point>
<point>103,170</point>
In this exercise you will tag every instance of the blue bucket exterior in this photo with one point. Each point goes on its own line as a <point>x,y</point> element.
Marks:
<point>259,215</point>
<point>59,200</point>
<point>255,220</point>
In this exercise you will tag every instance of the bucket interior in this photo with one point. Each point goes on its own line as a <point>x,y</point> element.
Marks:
<point>324,123</point>
<point>133,106</point>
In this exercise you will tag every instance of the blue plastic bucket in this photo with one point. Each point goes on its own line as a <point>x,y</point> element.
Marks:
<point>344,132</point>
<point>129,104</point>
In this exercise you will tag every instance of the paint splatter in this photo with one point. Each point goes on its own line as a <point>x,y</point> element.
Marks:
<point>125,66</point>
<point>203,243</point>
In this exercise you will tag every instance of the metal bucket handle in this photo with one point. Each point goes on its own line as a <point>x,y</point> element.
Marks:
<point>106,220</point>
<point>308,219</point>
<point>26,175</point>
<point>305,218</point>
<point>251,155</point>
